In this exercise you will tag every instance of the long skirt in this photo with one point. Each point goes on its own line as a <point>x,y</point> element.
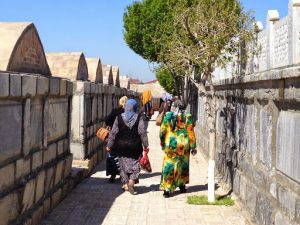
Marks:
<point>175,172</point>
<point>129,169</point>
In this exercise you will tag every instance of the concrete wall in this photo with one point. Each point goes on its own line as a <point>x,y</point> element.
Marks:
<point>35,159</point>
<point>258,147</point>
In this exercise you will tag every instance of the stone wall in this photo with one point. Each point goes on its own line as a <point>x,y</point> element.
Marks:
<point>35,159</point>
<point>258,120</point>
<point>90,106</point>
<point>258,147</point>
<point>277,46</point>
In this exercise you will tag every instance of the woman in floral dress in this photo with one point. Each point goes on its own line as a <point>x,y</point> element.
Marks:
<point>177,140</point>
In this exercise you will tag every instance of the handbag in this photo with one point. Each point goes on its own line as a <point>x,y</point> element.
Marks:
<point>103,133</point>
<point>112,164</point>
<point>159,119</point>
<point>145,163</point>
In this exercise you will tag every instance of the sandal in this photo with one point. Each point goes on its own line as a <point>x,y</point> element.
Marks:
<point>131,187</point>
<point>125,187</point>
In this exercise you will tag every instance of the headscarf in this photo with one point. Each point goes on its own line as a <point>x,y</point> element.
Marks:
<point>130,116</point>
<point>146,96</point>
<point>178,107</point>
<point>166,97</point>
<point>123,101</point>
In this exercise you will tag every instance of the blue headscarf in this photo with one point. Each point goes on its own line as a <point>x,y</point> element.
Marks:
<point>130,115</point>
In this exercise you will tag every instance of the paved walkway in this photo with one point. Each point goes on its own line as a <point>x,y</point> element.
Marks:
<point>95,201</point>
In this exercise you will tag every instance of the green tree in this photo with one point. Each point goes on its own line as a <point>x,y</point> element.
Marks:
<point>190,38</point>
<point>207,34</point>
<point>170,82</point>
<point>147,25</point>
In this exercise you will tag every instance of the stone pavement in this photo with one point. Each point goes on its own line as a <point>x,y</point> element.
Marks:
<point>95,201</point>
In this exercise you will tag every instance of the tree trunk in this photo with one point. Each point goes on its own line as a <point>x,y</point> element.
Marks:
<point>212,151</point>
<point>211,111</point>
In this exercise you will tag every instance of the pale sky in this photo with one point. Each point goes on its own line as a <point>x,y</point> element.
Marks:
<point>95,27</point>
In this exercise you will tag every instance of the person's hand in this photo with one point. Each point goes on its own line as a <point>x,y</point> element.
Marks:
<point>194,151</point>
<point>146,149</point>
<point>108,149</point>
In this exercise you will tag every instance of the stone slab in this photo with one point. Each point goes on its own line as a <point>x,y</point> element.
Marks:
<point>37,159</point>
<point>7,176</point>
<point>58,172</point>
<point>57,119</point>
<point>29,85</point>
<point>4,84</point>
<point>54,86</point>
<point>40,185</point>
<point>33,125</point>
<point>50,153</point>
<point>265,138</point>
<point>15,85</point>
<point>49,179</point>
<point>42,85</point>
<point>288,144</point>
<point>22,168</point>
<point>10,133</point>
<point>28,195</point>
<point>9,208</point>
<point>56,198</point>
<point>37,215</point>
<point>63,87</point>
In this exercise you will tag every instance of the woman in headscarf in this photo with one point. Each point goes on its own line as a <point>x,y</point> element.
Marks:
<point>112,160</point>
<point>165,103</point>
<point>128,136</point>
<point>178,141</point>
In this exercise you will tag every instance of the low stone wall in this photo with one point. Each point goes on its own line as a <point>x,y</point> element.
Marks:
<point>35,159</point>
<point>90,106</point>
<point>258,142</point>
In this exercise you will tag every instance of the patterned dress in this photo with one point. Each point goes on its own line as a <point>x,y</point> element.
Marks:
<point>177,139</point>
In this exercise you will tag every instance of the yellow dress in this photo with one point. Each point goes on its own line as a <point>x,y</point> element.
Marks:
<point>177,139</point>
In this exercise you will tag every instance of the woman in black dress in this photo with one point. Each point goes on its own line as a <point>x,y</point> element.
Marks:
<point>112,162</point>
<point>128,136</point>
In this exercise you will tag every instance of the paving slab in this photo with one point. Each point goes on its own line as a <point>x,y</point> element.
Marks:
<point>95,201</point>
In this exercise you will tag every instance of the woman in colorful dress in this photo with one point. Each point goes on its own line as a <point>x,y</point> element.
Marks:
<point>128,136</point>
<point>178,141</point>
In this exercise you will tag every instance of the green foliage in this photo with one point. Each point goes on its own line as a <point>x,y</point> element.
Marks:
<point>167,80</point>
<point>207,33</point>
<point>147,25</point>
<point>202,200</point>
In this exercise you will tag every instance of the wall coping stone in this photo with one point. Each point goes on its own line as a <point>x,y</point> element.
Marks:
<point>274,74</point>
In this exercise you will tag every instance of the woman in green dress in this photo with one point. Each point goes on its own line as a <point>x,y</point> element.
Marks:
<point>178,141</point>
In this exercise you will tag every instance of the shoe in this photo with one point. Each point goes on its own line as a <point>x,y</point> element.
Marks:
<point>166,194</point>
<point>112,179</point>
<point>182,189</point>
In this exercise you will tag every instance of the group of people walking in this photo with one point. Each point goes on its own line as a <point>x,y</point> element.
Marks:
<point>128,140</point>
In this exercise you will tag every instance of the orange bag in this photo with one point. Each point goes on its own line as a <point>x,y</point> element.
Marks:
<point>103,133</point>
